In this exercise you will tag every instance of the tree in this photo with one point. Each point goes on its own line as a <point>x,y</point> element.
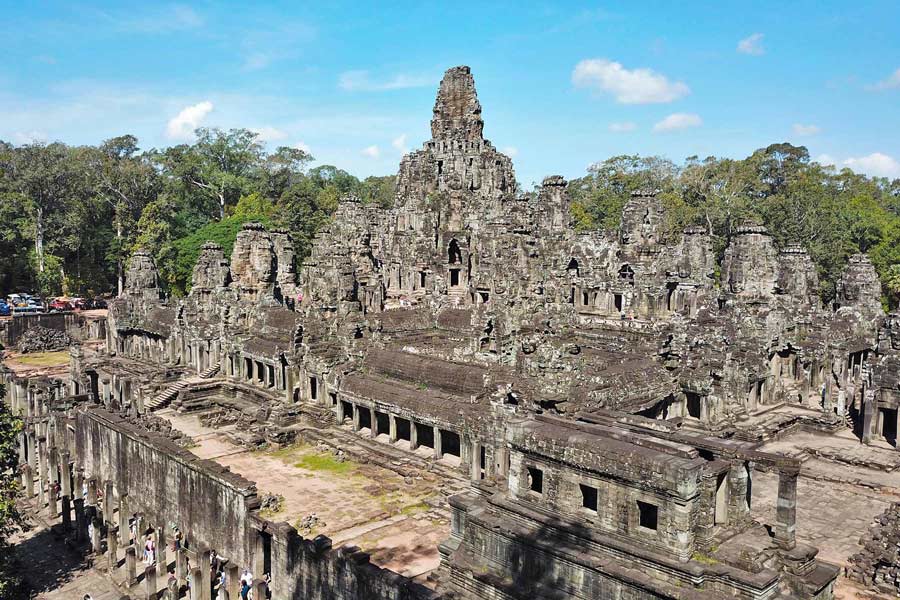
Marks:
<point>126,182</point>
<point>10,518</point>
<point>220,166</point>
<point>45,178</point>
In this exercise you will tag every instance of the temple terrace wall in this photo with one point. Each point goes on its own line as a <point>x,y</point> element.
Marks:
<point>214,508</point>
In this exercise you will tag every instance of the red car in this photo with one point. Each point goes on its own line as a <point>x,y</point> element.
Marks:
<point>60,305</point>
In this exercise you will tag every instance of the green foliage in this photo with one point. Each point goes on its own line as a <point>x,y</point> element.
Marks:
<point>187,249</point>
<point>833,214</point>
<point>10,518</point>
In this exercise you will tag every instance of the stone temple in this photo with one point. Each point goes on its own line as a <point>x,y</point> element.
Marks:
<point>593,414</point>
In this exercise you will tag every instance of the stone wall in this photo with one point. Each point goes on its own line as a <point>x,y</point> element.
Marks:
<point>75,325</point>
<point>212,506</point>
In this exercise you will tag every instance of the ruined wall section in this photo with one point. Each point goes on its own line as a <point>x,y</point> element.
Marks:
<point>166,483</point>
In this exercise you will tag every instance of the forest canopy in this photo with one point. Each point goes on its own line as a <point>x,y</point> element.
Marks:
<point>71,215</point>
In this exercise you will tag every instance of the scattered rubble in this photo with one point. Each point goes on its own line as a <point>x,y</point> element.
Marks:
<point>42,339</point>
<point>877,566</point>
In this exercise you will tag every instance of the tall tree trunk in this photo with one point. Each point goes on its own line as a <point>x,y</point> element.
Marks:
<point>120,275</point>
<point>39,237</point>
<point>221,207</point>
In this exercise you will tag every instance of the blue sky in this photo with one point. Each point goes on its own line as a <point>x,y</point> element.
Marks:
<point>562,84</point>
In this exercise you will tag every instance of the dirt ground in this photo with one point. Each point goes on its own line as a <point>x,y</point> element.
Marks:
<point>399,521</point>
<point>37,364</point>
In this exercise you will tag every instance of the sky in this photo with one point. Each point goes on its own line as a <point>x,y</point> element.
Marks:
<point>562,85</point>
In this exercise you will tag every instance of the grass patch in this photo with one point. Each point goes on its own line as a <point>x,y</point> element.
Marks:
<point>325,463</point>
<point>704,558</point>
<point>44,359</point>
<point>414,509</point>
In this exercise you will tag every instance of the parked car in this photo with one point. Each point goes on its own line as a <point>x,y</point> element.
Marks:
<point>5,308</point>
<point>60,305</point>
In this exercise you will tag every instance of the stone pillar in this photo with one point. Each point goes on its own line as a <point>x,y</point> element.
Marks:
<point>96,528</point>
<point>738,486</point>
<point>150,581</point>
<point>181,573</point>
<point>92,491</point>
<point>52,506</point>
<point>80,523</point>
<point>233,581</point>
<point>124,530</point>
<point>66,513</point>
<point>108,503</point>
<point>393,427</point>
<point>65,473</point>
<point>413,435</point>
<point>23,444</point>
<point>172,589</point>
<point>53,457</point>
<point>197,584</point>
<point>28,480</point>
<point>161,562</point>
<point>259,555</point>
<point>786,508</point>
<point>78,492</point>
<point>112,549</point>
<point>340,413</point>
<point>259,589</point>
<point>130,565</point>
<point>355,418</point>
<point>203,561</point>
<point>438,453</point>
<point>42,472</point>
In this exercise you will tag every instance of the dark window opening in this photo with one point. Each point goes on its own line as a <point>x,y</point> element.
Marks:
<point>572,268</point>
<point>271,370</point>
<point>572,295</point>
<point>588,497</point>
<point>365,417</point>
<point>454,277</point>
<point>440,167</point>
<point>425,435</point>
<point>450,443</point>
<point>482,461</point>
<point>248,368</point>
<point>626,273</point>
<point>648,515</point>
<point>617,300</point>
<point>382,422</point>
<point>259,371</point>
<point>422,279</point>
<point>402,429</point>
<point>348,411</point>
<point>535,480</point>
<point>889,426</point>
<point>512,399</point>
<point>484,297</point>
<point>333,397</point>
<point>670,295</point>
<point>454,255</point>
<point>693,404</point>
<point>313,388</point>
<point>584,298</point>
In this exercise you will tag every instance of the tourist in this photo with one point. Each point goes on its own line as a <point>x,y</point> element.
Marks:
<point>246,583</point>
<point>177,539</point>
<point>149,551</point>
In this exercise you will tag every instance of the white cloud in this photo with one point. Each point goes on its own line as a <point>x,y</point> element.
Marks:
<point>622,127</point>
<point>302,146</point>
<point>638,86</point>
<point>182,125</point>
<point>510,151</point>
<point>400,144</point>
<point>372,151</point>
<point>269,134</point>
<point>826,160</point>
<point>891,83</point>
<point>677,122</point>
<point>157,19</point>
<point>361,81</point>
<point>28,137</point>
<point>800,129</point>
<point>876,164</point>
<point>752,45</point>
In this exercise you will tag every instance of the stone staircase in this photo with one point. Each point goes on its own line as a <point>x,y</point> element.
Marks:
<point>171,392</point>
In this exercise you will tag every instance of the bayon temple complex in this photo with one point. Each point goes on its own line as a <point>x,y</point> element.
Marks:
<point>598,414</point>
